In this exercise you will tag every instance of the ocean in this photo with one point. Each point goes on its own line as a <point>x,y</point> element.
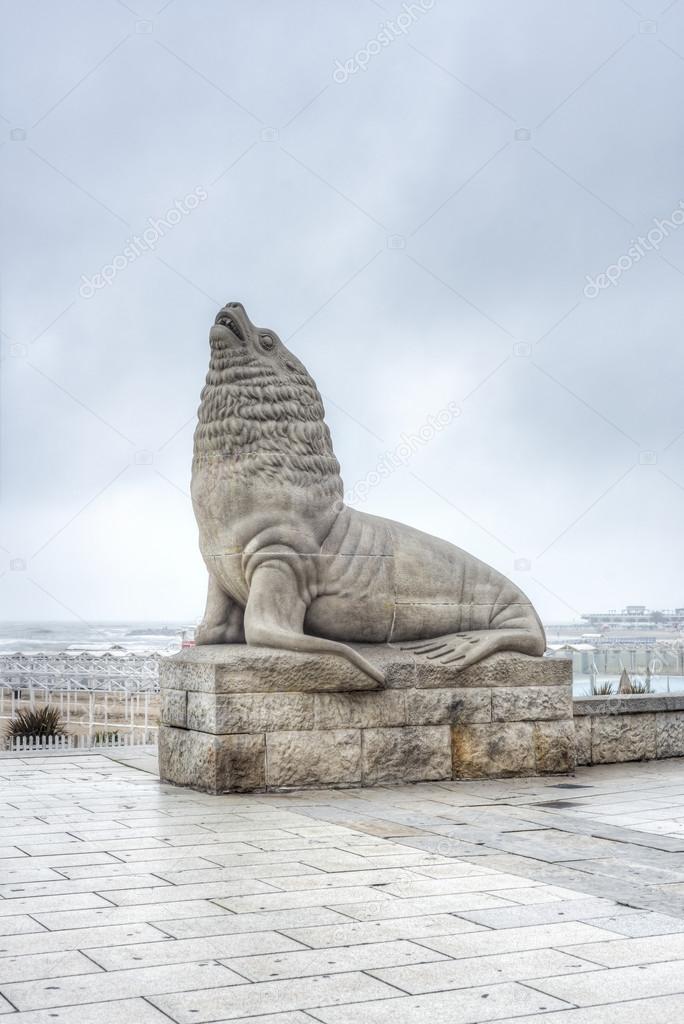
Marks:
<point>133,637</point>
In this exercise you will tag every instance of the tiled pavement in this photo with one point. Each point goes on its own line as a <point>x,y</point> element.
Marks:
<point>542,900</point>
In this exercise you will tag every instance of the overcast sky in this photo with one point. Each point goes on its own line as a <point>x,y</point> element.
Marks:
<point>422,210</point>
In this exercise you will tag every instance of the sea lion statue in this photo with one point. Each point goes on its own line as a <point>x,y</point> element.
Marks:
<point>290,565</point>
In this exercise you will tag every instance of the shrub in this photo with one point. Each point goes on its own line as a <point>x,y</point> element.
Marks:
<point>31,722</point>
<point>639,687</point>
<point>603,690</point>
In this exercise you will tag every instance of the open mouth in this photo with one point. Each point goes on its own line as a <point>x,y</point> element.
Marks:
<point>224,319</point>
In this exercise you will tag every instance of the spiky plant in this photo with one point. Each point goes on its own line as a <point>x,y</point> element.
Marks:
<point>641,687</point>
<point>29,722</point>
<point>603,690</point>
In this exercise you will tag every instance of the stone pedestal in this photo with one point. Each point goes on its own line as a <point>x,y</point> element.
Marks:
<point>237,718</point>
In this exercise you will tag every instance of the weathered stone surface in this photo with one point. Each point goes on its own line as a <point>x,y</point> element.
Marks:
<point>215,764</point>
<point>498,670</point>
<point>531,703</point>
<point>233,668</point>
<point>249,712</point>
<point>227,695</point>
<point>269,503</point>
<point>359,710</point>
<point>554,747</point>
<point>448,707</point>
<point>582,740</point>
<point>411,754</point>
<point>670,734</point>
<point>173,707</point>
<point>629,704</point>
<point>498,750</point>
<point>313,758</point>
<point>617,738</point>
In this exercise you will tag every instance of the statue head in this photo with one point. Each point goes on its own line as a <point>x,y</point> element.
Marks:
<point>235,339</point>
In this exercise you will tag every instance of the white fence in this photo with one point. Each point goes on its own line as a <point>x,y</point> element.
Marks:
<point>58,744</point>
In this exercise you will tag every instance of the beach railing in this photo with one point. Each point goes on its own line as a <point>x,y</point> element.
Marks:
<point>58,744</point>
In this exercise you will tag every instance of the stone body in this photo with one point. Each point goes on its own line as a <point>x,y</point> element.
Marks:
<point>290,565</point>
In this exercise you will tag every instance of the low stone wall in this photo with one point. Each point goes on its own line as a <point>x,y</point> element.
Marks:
<point>237,718</point>
<point>635,727</point>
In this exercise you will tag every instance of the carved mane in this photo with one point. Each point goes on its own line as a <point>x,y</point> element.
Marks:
<point>265,424</point>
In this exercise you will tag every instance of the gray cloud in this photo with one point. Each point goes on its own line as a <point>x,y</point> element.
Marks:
<point>421,232</point>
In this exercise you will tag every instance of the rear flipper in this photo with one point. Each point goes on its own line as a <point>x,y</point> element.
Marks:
<point>274,617</point>
<point>464,649</point>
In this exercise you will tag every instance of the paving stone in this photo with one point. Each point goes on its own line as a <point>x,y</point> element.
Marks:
<point>349,934</point>
<point>658,1010</point>
<point>144,981</point>
<point>456,903</point>
<point>128,915</point>
<point>44,965</point>
<point>121,1011</point>
<point>234,924</point>
<point>183,951</point>
<point>79,938</point>
<point>642,922</point>
<point>397,954</point>
<point>546,913</point>
<point>19,925</point>
<point>460,1006</point>
<point>632,952</point>
<point>347,895</point>
<point>610,986</point>
<point>272,997</point>
<point>489,970</point>
<point>198,891</point>
<point>510,940</point>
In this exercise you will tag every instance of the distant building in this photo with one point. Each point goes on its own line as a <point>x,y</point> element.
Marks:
<point>637,616</point>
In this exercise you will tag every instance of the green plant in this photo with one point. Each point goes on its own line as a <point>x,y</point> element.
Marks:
<point>639,687</point>
<point>31,722</point>
<point>603,690</point>
<point>104,737</point>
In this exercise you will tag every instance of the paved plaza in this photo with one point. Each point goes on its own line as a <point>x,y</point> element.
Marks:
<point>536,900</point>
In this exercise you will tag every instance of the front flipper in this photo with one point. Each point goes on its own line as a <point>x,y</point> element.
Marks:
<point>274,617</point>
<point>463,649</point>
<point>223,618</point>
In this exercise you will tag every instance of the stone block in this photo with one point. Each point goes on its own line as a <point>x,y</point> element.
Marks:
<point>359,710</point>
<point>582,740</point>
<point>531,703</point>
<point>249,712</point>
<point>313,758</point>
<point>448,706</point>
<point>497,750</point>
<point>215,764</point>
<point>670,734</point>
<point>497,670</point>
<point>238,668</point>
<point>173,707</point>
<point>411,754</point>
<point>616,738</point>
<point>554,747</point>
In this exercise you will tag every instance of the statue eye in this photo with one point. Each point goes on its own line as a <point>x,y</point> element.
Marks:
<point>266,341</point>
